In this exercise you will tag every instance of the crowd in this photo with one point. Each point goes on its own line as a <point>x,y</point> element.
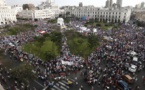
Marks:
<point>111,60</point>
<point>115,55</point>
<point>46,71</point>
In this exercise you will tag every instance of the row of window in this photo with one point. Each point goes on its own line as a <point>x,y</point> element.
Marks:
<point>79,15</point>
<point>7,15</point>
<point>96,16</point>
<point>99,13</point>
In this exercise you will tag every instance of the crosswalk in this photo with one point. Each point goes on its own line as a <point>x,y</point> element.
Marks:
<point>62,85</point>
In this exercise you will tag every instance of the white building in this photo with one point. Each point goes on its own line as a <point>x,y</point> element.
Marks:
<point>17,8</point>
<point>102,14</point>
<point>46,10</point>
<point>36,14</point>
<point>7,15</point>
<point>50,4</point>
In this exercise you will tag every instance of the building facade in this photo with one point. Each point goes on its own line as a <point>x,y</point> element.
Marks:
<point>46,10</point>
<point>50,4</point>
<point>36,14</point>
<point>28,6</point>
<point>17,9</point>
<point>7,14</point>
<point>142,4</point>
<point>101,14</point>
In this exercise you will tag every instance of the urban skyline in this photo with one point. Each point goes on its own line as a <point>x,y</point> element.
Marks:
<point>98,3</point>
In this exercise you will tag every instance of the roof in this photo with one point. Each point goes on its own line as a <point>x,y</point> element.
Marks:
<point>135,59</point>
<point>133,66</point>
<point>129,77</point>
<point>123,82</point>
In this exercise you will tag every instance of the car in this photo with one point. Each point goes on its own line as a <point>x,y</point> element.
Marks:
<point>122,85</point>
<point>128,79</point>
<point>136,62</point>
<point>132,68</point>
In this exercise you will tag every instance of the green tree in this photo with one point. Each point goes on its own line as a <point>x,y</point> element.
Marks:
<point>49,50</point>
<point>23,72</point>
<point>93,40</point>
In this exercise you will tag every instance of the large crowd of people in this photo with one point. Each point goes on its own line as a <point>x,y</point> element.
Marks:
<point>116,53</point>
<point>46,71</point>
<point>111,59</point>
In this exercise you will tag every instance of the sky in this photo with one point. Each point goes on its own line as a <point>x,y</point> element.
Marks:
<point>97,3</point>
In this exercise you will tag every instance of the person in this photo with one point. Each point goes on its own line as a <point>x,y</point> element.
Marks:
<point>76,80</point>
<point>81,88</point>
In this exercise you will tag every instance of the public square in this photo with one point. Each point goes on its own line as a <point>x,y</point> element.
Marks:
<point>72,47</point>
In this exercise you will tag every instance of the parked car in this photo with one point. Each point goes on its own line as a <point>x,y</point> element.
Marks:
<point>122,85</point>
<point>128,79</point>
<point>132,68</point>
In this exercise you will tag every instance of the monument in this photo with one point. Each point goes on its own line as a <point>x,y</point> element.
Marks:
<point>60,22</point>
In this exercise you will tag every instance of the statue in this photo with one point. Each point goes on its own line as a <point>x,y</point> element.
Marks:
<point>60,22</point>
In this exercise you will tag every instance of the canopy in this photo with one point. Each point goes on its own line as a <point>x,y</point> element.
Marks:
<point>94,30</point>
<point>42,31</point>
<point>85,18</point>
<point>83,28</point>
<point>11,44</point>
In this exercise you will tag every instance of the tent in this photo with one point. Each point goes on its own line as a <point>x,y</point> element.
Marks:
<point>132,53</point>
<point>83,29</point>
<point>11,44</point>
<point>42,31</point>
<point>85,18</point>
<point>94,30</point>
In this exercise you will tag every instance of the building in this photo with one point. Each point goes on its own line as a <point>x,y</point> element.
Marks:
<point>119,3</point>
<point>7,14</point>
<point>102,14</point>
<point>140,15</point>
<point>17,8</point>
<point>109,4</point>
<point>138,6</point>
<point>36,14</point>
<point>80,4</point>
<point>2,3</point>
<point>50,4</point>
<point>46,10</point>
<point>142,4</point>
<point>28,6</point>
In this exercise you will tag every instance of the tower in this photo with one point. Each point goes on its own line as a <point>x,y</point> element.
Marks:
<point>50,1</point>
<point>80,4</point>
<point>111,3</point>
<point>119,3</point>
<point>142,5</point>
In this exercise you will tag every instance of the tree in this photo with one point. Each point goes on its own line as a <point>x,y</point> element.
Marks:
<point>49,50</point>
<point>93,40</point>
<point>23,72</point>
